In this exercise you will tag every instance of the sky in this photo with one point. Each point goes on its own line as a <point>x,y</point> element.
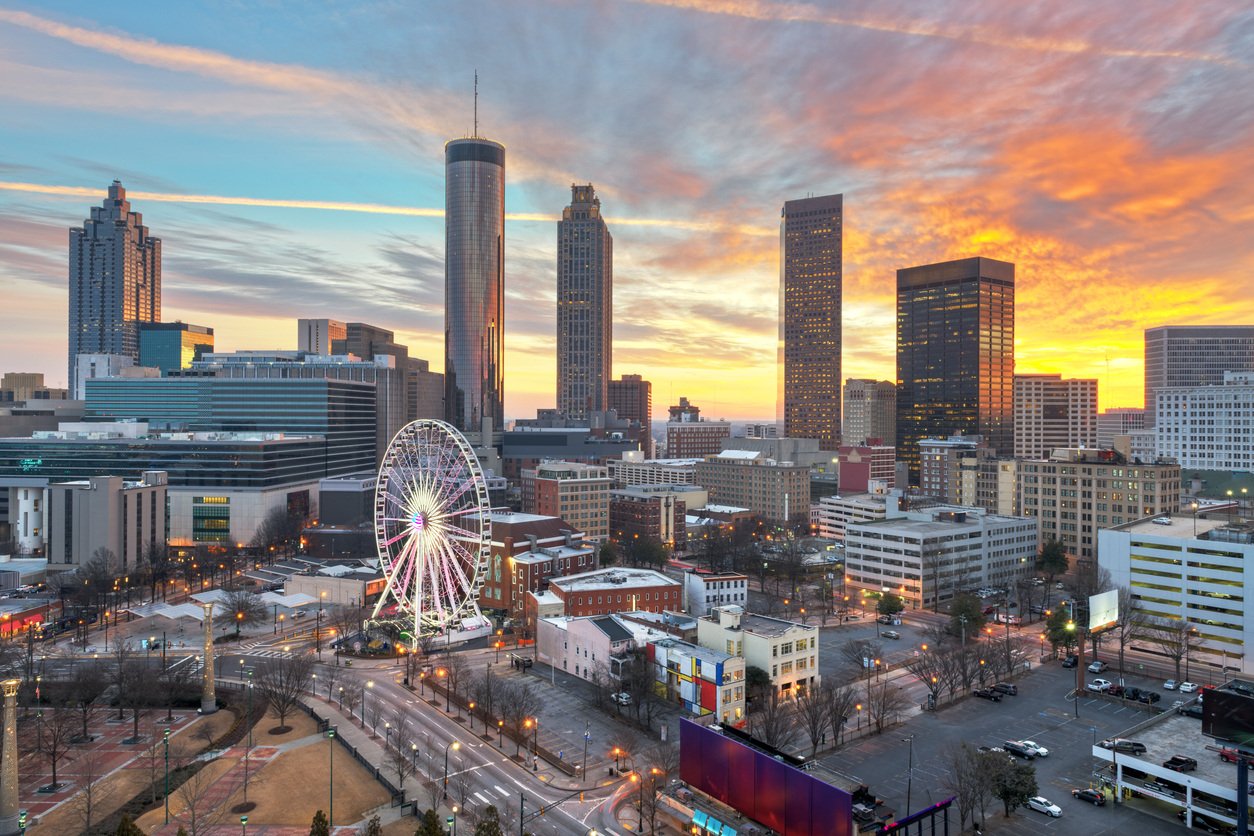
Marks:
<point>290,157</point>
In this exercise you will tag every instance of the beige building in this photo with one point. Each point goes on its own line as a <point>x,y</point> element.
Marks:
<point>870,412</point>
<point>1074,493</point>
<point>578,493</point>
<point>786,650</point>
<point>109,513</point>
<point>777,492</point>
<point>634,469</point>
<point>1052,413</point>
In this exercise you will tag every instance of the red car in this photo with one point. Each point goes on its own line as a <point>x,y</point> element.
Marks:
<point>1229,754</point>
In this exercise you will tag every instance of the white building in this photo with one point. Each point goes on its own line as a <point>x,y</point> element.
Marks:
<point>1198,569</point>
<point>939,552</point>
<point>1208,427</point>
<point>1050,412</point>
<point>634,469</point>
<point>1118,421</point>
<point>122,517</point>
<point>703,591</point>
<point>836,513</point>
<point>786,650</point>
<point>596,648</point>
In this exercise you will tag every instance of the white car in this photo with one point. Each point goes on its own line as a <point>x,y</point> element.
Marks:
<point>1169,685</point>
<point>1100,685</point>
<point>1188,687</point>
<point>1041,804</point>
<point>1041,751</point>
<point>622,698</point>
<point>1097,666</point>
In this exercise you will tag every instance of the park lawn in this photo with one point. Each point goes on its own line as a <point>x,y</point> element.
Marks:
<point>302,726</point>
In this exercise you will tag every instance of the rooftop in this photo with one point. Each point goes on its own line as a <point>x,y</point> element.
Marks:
<point>695,651</point>
<point>1180,527</point>
<point>614,578</point>
<point>725,509</point>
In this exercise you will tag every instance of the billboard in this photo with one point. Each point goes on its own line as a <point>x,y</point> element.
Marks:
<point>769,791</point>
<point>1103,610</point>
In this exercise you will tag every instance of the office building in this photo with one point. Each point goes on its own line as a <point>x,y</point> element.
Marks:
<point>810,318</point>
<point>761,431</point>
<point>778,493</point>
<point>634,469</point>
<point>315,336</point>
<point>955,355</point>
<point>870,412</point>
<point>1194,355</point>
<point>106,517</point>
<point>115,281</point>
<point>170,346</point>
<point>474,286</point>
<point>1118,421</point>
<point>688,435</point>
<point>941,466</point>
<point>1050,413</point>
<point>930,555</point>
<point>631,396</point>
<point>21,387</point>
<point>1074,493</point>
<point>93,366</point>
<point>615,590</point>
<point>786,650</point>
<point>341,411</point>
<point>597,649</point>
<point>703,591</point>
<point>701,680</point>
<point>654,512</point>
<point>1208,427</point>
<point>585,309</point>
<point>802,451</point>
<point>578,493</point>
<point>527,551</point>
<point>1186,566</point>
<point>527,448</point>
<point>837,513</point>
<point>857,467</point>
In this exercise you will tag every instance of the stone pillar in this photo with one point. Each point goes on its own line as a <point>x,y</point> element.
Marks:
<point>9,805</point>
<point>208,696</point>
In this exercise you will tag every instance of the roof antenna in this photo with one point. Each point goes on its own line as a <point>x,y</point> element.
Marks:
<point>476,104</point>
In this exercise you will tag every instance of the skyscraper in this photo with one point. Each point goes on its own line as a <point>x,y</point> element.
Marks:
<point>585,293</point>
<point>955,354</point>
<point>115,280</point>
<point>1194,355</point>
<point>809,318</point>
<point>474,284</point>
<point>632,397</point>
<point>870,412</point>
<point>170,346</point>
<point>1053,414</point>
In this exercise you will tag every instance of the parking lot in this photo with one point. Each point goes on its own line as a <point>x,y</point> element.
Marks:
<point>1041,713</point>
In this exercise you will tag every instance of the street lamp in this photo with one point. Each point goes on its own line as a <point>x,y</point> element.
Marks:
<point>534,724</point>
<point>910,771</point>
<point>472,715</point>
<point>167,775</point>
<point>341,698</point>
<point>413,758</point>
<point>443,674</point>
<point>500,734</point>
<point>387,735</point>
<point>243,825</point>
<point>106,620</point>
<point>455,745</point>
<point>331,775</point>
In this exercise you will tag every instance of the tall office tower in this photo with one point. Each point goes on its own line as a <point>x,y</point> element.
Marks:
<point>1118,421</point>
<point>870,412</point>
<point>115,281</point>
<point>809,319</point>
<point>1051,414</point>
<point>1194,355</point>
<point>316,335</point>
<point>955,355</point>
<point>585,312</point>
<point>632,396</point>
<point>170,346</point>
<point>474,285</point>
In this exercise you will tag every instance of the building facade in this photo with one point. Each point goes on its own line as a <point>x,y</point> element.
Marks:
<point>315,336</point>
<point>1051,413</point>
<point>870,412</point>
<point>594,648</point>
<point>474,285</point>
<point>1075,493</point>
<point>695,439</point>
<point>837,513</point>
<point>955,354</point>
<point>810,296</point>
<point>1208,427</point>
<point>631,396</point>
<point>1194,355</point>
<point>857,467</point>
<point>585,305</point>
<point>777,493</point>
<point>1118,421</point>
<point>786,650</point>
<point>636,469</point>
<point>106,517</point>
<point>702,680</point>
<point>115,281</point>
<point>929,556</point>
<point>704,591</point>
<point>170,346</point>
<point>527,551</point>
<point>653,511</point>
<point>615,590</point>
<point>578,493</point>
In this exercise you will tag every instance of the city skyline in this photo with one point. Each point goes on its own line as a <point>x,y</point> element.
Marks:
<point>1117,190</point>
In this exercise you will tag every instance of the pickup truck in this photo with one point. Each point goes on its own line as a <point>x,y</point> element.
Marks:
<point>1180,763</point>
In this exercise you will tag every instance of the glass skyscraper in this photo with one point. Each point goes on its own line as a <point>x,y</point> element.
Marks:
<point>115,280</point>
<point>170,346</point>
<point>585,305</point>
<point>810,280</point>
<point>474,284</point>
<point>955,355</point>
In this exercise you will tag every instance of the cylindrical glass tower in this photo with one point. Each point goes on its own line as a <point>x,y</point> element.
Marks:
<point>474,284</point>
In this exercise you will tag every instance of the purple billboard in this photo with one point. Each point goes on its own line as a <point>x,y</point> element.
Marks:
<point>770,792</point>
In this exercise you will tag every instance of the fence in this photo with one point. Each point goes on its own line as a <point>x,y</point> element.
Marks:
<point>397,793</point>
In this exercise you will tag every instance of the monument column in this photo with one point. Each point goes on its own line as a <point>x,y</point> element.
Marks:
<point>208,696</point>
<point>8,761</point>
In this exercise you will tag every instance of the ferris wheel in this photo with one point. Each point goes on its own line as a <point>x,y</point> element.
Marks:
<point>433,530</point>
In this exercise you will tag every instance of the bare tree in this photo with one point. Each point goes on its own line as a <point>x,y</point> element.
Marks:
<point>121,664</point>
<point>861,654</point>
<point>1171,636</point>
<point>85,686</point>
<point>55,728</point>
<point>885,702</point>
<point>202,804</point>
<point>774,723</point>
<point>458,671</point>
<point>518,703</point>
<point>90,769</point>
<point>400,758</point>
<point>240,608</point>
<point>281,685</point>
<point>814,715</point>
<point>1131,624</point>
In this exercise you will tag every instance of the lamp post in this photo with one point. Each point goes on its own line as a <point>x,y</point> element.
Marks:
<point>106,622</point>
<point>472,715</point>
<point>369,684</point>
<point>500,734</point>
<point>413,758</point>
<point>909,772</point>
<point>276,619</point>
<point>534,724</point>
<point>443,674</point>
<point>167,775</point>
<point>331,775</point>
<point>453,745</point>
<point>387,735</point>
<point>341,698</point>
<point>243,825</point>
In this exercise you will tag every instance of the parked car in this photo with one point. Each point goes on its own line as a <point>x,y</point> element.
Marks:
<point>885,619</point>
<point>1100,685</point>
<point>1202,823</point>
<point>890,634</point>
<point>1180,763</point>
<point>1229,754</point>
<point>1116,690</point>
<point>1169,685</point>
<point>1007,688</point>
<point>1041,804</point>
<point>299,614</point>
<point>1016,747</point>
<point>622,698</point>
<point>1131,692</point>
<point>1124,746</point>
<point>1041,751</point>
<point>1097,799</point>
<point>1191,710</point>
<point>1060,585</point>
<point>1071,661</point>
<point>1097,666</point>
<point>1149,697</point>
<point>1187,687</point>
<point>987,694</point>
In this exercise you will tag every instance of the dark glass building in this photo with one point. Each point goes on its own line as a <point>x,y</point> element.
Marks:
<point>955,355</point>
<point>171,346</point>
<point>474,284</point>
<point>585,305</point>
<point>809,318</point>
<point>342,411</point>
